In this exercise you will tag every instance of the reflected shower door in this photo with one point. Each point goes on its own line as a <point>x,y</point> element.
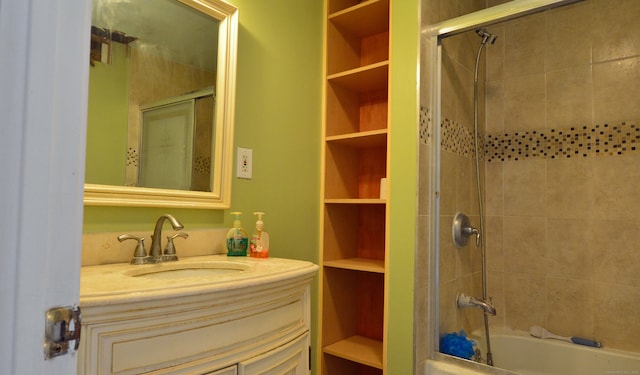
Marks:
<point>166,151</point>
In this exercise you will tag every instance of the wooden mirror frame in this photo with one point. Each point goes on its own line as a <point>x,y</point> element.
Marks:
<point>220,195</point>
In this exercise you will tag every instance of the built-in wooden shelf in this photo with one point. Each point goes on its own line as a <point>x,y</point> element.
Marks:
<point>366,78</point>
<point>358,349</point>
<point>356,20</point>
<point>354,201</point>
<point>354,220</point>
<point>357,264</point>
<point>372,138</point>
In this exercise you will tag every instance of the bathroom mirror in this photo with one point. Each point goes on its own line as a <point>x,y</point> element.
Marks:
<point>161,103</point>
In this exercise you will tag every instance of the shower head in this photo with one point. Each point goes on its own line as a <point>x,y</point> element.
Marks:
<point>486,36</point>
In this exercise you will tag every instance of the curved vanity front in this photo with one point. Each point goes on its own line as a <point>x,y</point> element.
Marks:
<point>200,315</point>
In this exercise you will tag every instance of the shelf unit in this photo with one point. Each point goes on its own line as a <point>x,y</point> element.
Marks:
<point>354,214</point>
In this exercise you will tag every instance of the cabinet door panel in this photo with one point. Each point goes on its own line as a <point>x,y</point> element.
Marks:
<point>289,359</point>
<point>233,370</point>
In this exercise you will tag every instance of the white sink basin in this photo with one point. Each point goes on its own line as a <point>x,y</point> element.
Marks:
<point>124,283</point>
<point>178,270</point>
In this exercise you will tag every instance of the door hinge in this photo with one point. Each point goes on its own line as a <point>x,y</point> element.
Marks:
<point>62,325</point>
<point>309,357</point>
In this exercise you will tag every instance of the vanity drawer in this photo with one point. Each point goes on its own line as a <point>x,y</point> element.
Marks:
<point>193,342</point>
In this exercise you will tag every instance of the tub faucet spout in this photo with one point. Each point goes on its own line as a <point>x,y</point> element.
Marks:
<point>155,253</point>
<point>467,301</point>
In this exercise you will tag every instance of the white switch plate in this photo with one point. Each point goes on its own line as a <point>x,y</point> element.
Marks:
<point>245,163</point>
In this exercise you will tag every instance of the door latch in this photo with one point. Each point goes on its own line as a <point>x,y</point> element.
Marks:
<point>62,325</point>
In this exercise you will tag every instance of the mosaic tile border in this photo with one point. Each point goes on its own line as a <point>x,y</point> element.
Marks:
<point>132,157</point>
<point>456,138</point>
<point>582,141</point>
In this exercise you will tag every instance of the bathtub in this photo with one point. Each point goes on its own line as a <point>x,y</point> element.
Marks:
<point>516,352</point>
<point>521,353</point>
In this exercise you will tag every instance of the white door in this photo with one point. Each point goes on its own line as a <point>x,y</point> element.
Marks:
<point>44,60</point>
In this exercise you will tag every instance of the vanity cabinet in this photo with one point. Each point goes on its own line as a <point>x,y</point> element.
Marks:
<point>245,327</point>
<point>355,209</point>
<point>233,370</point>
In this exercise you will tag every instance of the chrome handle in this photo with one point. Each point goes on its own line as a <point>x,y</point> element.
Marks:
<point>462,230</point>
<point>170,249</point>
<point>140,253</point>
<point>471,231</point>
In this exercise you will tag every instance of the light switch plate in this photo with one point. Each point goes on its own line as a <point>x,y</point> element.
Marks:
<point>245,163</point>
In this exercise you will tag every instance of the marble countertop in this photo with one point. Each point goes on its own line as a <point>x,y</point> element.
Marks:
<point>123,282</point>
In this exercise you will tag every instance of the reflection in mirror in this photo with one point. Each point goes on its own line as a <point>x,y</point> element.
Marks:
<point>161,87</point>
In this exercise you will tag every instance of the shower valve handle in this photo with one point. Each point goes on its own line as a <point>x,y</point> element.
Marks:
<point>462,230</point>
<point>471,231</point>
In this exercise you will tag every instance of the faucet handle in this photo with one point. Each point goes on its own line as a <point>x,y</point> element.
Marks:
<point>170,249</point>
<point>140,253</point>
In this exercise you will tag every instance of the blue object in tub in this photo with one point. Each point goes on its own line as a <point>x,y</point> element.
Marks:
<point>457,344</point>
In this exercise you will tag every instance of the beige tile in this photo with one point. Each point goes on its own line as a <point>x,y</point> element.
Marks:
<point>616,181</point>
<point>570,188</point>
<point>494,191</point>
<point>494,243</point>
<point>525,245</point>
<point>617,259</point>
<point>465,186</point>
<point>447,307</point>
<point>430,12</point>
<point>616,317</point>
<point>448,181</point>
<point>464,259</point>
<point>422,258</point>
<point>448,79</point>
<point>569,249</point>
<point>463,86</point>
<point>569,97</point>
<point>448,9</point>
<point>569,30</point>
<point>615,90</point>
<point>524,102</point>
<point>424,179</point>
<point>524,48</point>
<point>467,45</point>
<point>494,111</point>
<point>616,30</point>
<point>104,248</point>
<point>470,319</point>
<point>570,309</point>
<point>495,54</point>
<point>470,6</point>
<point>448,252</point>
<point>525,300</point>
<point>495,290</point>
<point>524,188</point>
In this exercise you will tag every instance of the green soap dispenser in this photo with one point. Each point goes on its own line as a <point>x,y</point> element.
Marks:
<point>237,238</point>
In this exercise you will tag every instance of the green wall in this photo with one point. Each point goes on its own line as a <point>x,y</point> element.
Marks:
<point>405,47</point>
<point>278,115</point>
<point>108,112</point>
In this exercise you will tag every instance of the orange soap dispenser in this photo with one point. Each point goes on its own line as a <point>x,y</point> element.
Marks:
<point>259,247</point>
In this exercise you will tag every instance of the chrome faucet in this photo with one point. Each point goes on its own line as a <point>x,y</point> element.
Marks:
<point>155,254</point>
<point>466,301</point>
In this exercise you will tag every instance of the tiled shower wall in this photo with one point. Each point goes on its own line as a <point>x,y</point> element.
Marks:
<point>562,208</point>
<point>560,167</point>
